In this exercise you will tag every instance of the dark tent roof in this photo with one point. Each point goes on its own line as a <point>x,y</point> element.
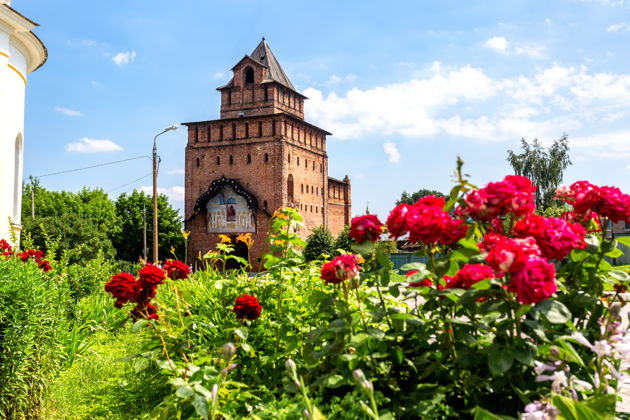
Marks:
<point>262,54</point>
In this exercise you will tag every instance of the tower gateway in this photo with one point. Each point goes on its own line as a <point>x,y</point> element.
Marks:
<point>260,155</point>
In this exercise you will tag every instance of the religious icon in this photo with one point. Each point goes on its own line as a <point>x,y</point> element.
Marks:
<point>228,212</point>
<point>231,213</point>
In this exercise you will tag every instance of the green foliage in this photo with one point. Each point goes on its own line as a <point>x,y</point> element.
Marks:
<point>343,241</point>
<point>386,247</point>
<point>412,198</point>
<point>80,224</point>
<point>319,242</point>
<point>544,167</point>
<point>32,306</point>
<point>86,278</point>
<point>128,241</point>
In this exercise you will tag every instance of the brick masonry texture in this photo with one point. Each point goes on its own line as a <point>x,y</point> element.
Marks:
<point>262,141</point>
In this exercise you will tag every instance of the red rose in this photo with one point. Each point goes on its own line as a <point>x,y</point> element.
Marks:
<point>176,269</point>
<point>5,248</point>
<point>396,221</point>
<point>614,204</point>
<point>247,307</point>
<point>555,237</point>
<point>507,254</point>
<point>468,275</point>
<point>430,201</point>
<point>515,195</point>
<point>151,275</point>
<point>44,265</point>
<point>341,268</point>
<point>123,287</point>
<point>536,281</point>
<point>365,228</point>
<point>426,224</point>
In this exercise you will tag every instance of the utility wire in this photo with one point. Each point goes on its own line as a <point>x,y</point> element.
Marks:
<point>128,183</point>
<point>93,166</point>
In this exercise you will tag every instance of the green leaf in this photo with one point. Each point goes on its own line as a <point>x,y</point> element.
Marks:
<point>463,254</point>
<point>481,414</point>
<point>574,410</point>
<point>242,333</point>
<point>141,364</point>
<point>604,405</point>
<point>568,353</point>
<point>334,381</point>
<point>138,325</point>
<point>184,391</point>
<point>619,275</point>
<point>623,240</point>
<point>554,311</point>
<point>499,360</point>
<point>421,267</point>
<point>201,406</point>
<point>364,248</point>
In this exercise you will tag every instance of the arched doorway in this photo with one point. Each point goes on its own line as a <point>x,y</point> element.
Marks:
<point>240,250</point>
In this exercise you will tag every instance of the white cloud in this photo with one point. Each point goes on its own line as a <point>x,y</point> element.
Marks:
<point>123,58</point>
<point>533,51</point>
<point>391,151</point>
<point>86,145</point>
<point>175,193</point>
<point>619,27</point>
<point>69,112</point>
<point>176,172</point>
<point>497,43</point>
<point>501,45</point>
<point>548,21</point>
<point>218,75</point>
<point>465,102</point>
<point>334,79</point>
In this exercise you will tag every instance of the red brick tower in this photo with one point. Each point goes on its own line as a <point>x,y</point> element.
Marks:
<point>259,156</point>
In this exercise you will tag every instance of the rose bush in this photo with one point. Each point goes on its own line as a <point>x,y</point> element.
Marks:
<point>508,317</point>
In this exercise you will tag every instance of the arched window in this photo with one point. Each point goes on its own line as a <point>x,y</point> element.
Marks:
<point>265,204</point>
<point>259,128</point>
<point>298,160</point>
<point>221,133</point>
<point>266,93</point>
<point>17,179</point>
<point>302,188</point>
<point>231,160</point>
<point>209,133</point>
<point>306,163</point>
<point>312,189</point>
<point>266,157</point>
<point>218,160</point>
<point>198,162</point>
<point>233,131</point>
<point>290,188</point>
<point>249,76</point>
<point>289,158</point>
<point>196,134</point>
<point>246,130</point>
<point>249,158</point>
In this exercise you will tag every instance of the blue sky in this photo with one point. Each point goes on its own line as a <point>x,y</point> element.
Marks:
<point>405,86</point>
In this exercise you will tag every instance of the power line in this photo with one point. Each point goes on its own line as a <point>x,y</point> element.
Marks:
<point>131,182</point>
<point>93,166</point>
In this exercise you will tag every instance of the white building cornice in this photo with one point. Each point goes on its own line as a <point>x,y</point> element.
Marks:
<point>21,30</point>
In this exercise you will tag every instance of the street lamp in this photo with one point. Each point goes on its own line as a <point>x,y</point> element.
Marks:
<point>155,196</point>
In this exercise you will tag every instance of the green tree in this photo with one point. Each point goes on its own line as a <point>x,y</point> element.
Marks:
<point>128,240</point>
<point>412,198</point>
<point>343,240</point>
<point>82,222</point>
<point>319,242</point>
<point>544,167</point>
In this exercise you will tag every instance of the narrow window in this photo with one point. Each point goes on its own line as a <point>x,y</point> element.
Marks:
<point>289,158</point>
<point>220,133</point>
<point>246,130</point>
<point>196,134</point>
<point>273,128</point>
<point>312,189</point>
<point>313,165</point>
<point>285,129</point>
<point>298,160</point>
<point>315,209</point>
<point>290,188</point>
<point>311,208</point>
<point>229,97</point>
<point>321,167</point>
<point>266,157</point>
<point>249,76</point>
<point>265,204</point>
<point>249,158</point>
<point>208,133</point>
<point>197,162</point>
<point>266,93</point>
<point>218,160</point>
<point>233,131</point>
<point>302,188</point>
<point>231,160</point>
<point>259,128</point>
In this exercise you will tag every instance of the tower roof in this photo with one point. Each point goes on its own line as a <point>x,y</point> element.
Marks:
<point>262,54</point>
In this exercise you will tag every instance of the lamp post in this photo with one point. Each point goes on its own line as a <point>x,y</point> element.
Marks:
<point>155,196</point>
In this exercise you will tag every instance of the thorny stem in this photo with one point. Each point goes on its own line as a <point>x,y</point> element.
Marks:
<point>164,349</point>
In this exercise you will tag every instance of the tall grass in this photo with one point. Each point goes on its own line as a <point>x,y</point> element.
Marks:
<point>32,313</point>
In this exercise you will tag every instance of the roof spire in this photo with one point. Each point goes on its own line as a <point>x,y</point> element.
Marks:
<point>263,38</point>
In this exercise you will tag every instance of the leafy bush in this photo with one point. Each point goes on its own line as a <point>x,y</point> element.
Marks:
<point>319,242</point>
<point>343,240</point>
<point>32,311</point>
